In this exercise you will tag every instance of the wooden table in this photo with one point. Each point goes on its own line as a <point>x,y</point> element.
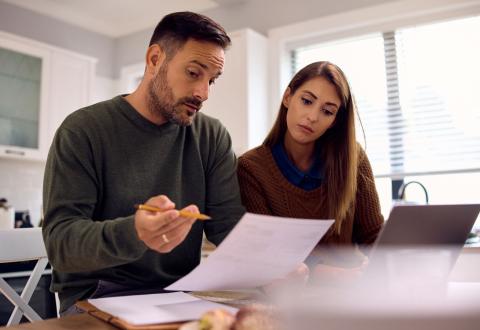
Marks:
<point>87,321</point>
<point>72,322</point>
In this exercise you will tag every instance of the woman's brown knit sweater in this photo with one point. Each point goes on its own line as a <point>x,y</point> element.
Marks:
<point>265,190</point>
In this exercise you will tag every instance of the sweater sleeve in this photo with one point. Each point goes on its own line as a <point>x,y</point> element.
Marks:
<point>223,202</point>
<point>74,241</point>
<point>253,197</point>
<point>368,219</point>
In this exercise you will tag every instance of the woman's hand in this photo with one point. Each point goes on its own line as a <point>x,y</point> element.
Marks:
<point>323,274</point>
<point>296,278</point>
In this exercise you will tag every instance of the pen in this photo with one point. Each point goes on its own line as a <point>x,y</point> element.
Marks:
<point>186,214</point>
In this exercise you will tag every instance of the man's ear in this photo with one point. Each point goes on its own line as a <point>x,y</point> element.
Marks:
<point>154,58</point>
<point>286,97</point>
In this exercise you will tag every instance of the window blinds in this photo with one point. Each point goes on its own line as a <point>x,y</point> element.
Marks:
<point>416,92</point>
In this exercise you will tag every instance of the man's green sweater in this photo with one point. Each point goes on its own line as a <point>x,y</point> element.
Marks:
<point>107,157</point>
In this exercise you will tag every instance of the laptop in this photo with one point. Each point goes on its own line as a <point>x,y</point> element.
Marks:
<point>417,225</point>
<point>417,235</point>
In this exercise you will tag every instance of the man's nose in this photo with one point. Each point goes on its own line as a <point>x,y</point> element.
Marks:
<point>201,91</point>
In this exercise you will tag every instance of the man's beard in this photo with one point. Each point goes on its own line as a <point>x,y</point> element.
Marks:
<point>161,100</point>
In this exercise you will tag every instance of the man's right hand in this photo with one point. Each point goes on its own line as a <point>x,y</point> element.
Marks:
<point>163,231</point>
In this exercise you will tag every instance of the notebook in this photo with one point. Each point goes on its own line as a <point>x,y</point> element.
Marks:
<point>158,311</point>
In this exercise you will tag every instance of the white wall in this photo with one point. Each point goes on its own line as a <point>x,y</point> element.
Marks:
<point>29,24</point>
<point>238,99</point>
<point>258,15</point>
<point>104,88</point>
<point>21,184</point>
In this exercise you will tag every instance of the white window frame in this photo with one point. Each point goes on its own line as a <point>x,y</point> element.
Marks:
<point>386,17</point>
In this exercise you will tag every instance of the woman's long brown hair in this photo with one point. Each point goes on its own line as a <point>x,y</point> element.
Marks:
<point>338,146</point>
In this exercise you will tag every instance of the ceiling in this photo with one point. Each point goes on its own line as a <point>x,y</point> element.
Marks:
<point>115,18</point>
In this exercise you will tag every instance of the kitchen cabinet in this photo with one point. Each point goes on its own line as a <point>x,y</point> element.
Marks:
<point>239,98</point>
<point>39,86</point>
<point>71,81</point>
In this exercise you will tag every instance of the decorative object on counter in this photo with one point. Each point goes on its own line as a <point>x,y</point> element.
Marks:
<point>22,219</point>
<point>473,238</point>
<point>218,319</point>
<point>253,317</point>
<point>7,214</point>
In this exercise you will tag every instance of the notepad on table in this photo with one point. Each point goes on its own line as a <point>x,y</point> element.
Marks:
<point>150,311</point>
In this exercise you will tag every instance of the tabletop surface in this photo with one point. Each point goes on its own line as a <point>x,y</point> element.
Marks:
<point>73,322</point>
<point>86,321</point>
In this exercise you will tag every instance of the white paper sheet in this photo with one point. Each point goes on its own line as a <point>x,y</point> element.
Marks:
<point>157,308</point>
<point>257,251</point>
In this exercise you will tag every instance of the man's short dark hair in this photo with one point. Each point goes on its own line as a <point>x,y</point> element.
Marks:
<point>174,30</point>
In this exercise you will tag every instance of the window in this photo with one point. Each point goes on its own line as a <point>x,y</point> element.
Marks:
<point>439,75</point>
<point>370,94</point>
<point>416,90</point>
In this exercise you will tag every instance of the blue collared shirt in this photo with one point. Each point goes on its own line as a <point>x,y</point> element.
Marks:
<point>307,181</point>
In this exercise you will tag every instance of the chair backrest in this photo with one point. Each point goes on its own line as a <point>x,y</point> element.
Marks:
<point>21,244</point>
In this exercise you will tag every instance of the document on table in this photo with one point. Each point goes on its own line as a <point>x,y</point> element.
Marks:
<point>257,251</point>
<point>156,308</point>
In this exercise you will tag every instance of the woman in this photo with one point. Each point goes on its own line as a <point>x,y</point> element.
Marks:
<point>310,165</point>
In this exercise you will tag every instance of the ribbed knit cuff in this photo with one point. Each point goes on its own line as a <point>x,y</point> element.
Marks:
<point>125,238</point>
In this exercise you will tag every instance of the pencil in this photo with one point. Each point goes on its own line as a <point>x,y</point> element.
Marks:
<point>186,214</point>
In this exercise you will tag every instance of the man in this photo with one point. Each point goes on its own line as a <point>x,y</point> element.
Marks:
<point>150,147</point>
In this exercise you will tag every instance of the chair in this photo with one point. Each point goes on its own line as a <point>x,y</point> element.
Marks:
<point>22,245</point>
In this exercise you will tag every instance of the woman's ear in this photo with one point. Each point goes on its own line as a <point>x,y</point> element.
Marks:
<point>154,58</point>
<point>286,97</point>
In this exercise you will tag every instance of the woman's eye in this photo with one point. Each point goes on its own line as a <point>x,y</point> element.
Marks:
<point>328,112</point>
<point>306,101</point>
<point>193,74</point>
